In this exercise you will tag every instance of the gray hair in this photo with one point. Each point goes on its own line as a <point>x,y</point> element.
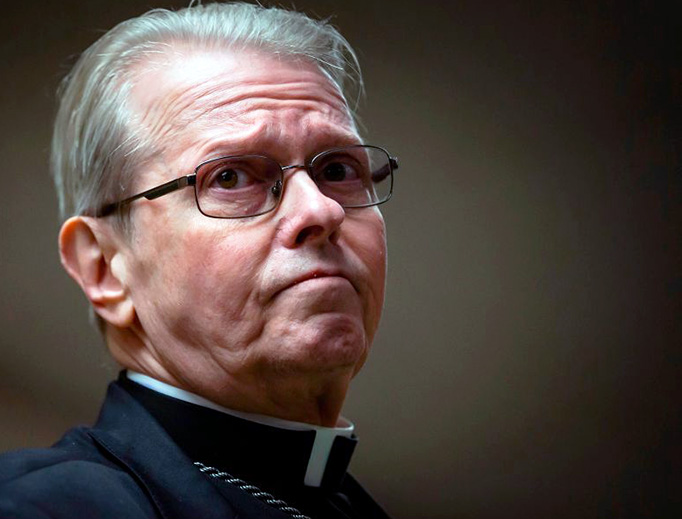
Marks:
<point>96,146</point>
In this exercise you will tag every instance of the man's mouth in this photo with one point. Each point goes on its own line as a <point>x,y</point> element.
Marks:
<point>316,274</point>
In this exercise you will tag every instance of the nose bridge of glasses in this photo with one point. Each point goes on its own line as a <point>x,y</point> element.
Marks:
<point>305,167</point>
<point>295,166</point>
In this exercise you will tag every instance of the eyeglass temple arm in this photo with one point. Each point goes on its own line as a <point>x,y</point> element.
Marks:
<point>384,171</point>
<point>150,194</point>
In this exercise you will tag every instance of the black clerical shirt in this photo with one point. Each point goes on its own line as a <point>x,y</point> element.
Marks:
<point>274,459</point>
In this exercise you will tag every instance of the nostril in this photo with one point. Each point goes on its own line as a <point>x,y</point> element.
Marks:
<point>310,231</point>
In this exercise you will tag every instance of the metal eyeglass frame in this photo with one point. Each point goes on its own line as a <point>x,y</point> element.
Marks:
<point>191,180</point>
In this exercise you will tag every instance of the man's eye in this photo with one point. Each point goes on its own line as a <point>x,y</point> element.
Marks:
<point>338,172</point>
<point>227,179</point>
<point>232,178</point>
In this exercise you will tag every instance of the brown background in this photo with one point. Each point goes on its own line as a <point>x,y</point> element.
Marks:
<point>528,361</point>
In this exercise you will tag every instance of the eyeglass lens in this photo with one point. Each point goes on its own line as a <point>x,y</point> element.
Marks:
<point>249,185</point>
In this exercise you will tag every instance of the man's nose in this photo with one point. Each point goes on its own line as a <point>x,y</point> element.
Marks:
<point>307,215</point>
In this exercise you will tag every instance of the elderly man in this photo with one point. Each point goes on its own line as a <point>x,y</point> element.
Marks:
<point>223,223</point>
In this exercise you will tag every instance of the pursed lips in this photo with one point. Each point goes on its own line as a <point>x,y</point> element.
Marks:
<point>314,274</point>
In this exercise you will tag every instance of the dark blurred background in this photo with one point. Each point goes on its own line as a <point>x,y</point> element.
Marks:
<point>528,362</point>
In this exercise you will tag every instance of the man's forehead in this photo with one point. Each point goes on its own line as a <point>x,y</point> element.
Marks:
<point>183,85</point>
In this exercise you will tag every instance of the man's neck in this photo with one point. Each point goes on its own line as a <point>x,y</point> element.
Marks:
<point>314,398</point>
<point>342,425</point>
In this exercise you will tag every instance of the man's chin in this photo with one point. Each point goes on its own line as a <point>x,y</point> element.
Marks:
<point>341,345</point>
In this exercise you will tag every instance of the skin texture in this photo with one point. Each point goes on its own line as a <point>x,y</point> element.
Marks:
<point>273,314</point>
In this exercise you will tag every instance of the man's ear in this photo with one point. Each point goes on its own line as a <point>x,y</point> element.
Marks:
<point>91,255</point>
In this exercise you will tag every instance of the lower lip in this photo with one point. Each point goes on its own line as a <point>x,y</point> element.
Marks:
<point>322,282</point>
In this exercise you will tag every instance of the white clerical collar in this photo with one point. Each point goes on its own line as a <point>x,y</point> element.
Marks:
<point>324,436</point>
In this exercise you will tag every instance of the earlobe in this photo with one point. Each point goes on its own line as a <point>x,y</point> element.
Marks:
<point>92,258</point>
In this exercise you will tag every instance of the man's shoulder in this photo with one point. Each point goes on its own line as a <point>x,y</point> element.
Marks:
<point>75,445</point>
<point>73,477</point>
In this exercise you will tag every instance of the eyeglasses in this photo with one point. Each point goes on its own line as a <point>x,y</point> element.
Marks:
<point>241,186</point>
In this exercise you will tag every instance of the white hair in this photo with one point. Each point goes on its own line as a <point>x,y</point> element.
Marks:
<point>96,146</point>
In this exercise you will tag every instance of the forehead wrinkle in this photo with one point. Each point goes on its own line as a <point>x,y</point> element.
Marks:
<point>187,103</point>
<point>244,99</point>
<point>183,81</point>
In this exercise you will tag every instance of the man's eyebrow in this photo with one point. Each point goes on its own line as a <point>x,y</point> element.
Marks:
<point>260,142</point>
<point>256,144</point>
<point>226,148</point>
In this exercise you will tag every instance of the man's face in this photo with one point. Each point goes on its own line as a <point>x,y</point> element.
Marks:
<point>229,304</point>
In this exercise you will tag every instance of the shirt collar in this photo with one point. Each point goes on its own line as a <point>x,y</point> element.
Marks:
<point>323,440</point>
